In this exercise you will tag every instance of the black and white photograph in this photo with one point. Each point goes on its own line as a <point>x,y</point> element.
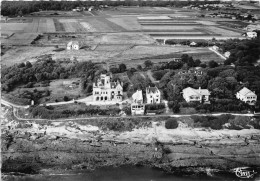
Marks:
<point>130,90</point>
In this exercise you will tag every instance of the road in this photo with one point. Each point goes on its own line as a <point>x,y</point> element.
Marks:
<point>219,54</point>
<point>8,104</point>
<point>16,107</point>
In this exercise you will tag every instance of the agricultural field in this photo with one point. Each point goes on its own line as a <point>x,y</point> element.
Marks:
<point>113,35</point>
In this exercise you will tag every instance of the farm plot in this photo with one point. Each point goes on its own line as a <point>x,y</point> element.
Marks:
<point>128,23</point>
<point>162,28</point>
<point>19,20</point>
<point>50,25</point>
<point>72,25</point>
<point>83,55</point>
<point>88,27</point>
<point>222,31</point>
<point>112,48</point>
<point>58,25</point>
<point>126,38</point>
<point>42,25</point>
<point>153,17</point>
<point>20,39</point>
<point>233,24</point>
<point>14,27</point>
<point>103,25</point>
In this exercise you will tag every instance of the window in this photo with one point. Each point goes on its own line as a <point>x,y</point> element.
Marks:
<point>101,98</point>
<point>97,98</point>
<point>105,98</point>
<point>151,96</point>
<point>118,92</point>
<point>156,100</point>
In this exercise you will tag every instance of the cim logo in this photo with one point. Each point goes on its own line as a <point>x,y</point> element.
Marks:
<point>244,172</point>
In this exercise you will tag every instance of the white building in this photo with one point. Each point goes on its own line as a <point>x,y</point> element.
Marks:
<point>137,109</point>
<point>138,97</point>
<point>227,54</point>
<point>106,90</point>
<point>193,43</point>
<point>73,45</point>
<point>251,34</point>
<point>216,48</point>
<point>153,95</point>
<point>201,95</point>
<point>246,96</point>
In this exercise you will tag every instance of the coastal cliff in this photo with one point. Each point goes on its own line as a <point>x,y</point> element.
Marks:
<point>56,147</point>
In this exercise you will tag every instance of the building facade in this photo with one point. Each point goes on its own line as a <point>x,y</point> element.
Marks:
<point>106,90</point>
<point>138,97</point>
<point>153,95</point>
<point>137,107</point>
<point>196,95</point>
<point>247,96</point>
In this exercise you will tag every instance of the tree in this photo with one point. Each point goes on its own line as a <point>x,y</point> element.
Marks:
<point>171,124</point>
<point>148,63</point>
<point>212,64</point>
<point>203,65</point>
<point>65,98</point>
<point>139,67</point>
<point>176,107</point>
<point>191,62</point>
<point>122,67</point>
<point>197,62</point>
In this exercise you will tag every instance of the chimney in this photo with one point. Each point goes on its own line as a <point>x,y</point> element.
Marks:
<point>199,89</point>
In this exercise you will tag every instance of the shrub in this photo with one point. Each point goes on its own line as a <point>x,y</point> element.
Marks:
<point>171,123</point>
<point>154,106</point>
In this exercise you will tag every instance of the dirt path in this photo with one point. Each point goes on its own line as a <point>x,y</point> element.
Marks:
<point>149,73</point>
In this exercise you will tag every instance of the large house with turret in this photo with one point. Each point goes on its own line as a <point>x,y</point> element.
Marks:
<point>106,90</point>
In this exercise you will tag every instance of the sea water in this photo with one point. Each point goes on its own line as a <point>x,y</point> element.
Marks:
<point>128,174</point>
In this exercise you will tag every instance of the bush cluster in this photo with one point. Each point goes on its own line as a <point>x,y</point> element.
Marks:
<point>49,112</point>
<point>171,123</point>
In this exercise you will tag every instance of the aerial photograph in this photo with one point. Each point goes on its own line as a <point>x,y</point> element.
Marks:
<point>130,90</point>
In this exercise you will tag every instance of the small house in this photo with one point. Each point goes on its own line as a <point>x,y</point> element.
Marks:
<point>251,34</point>
<point>153,95</point>
<point>73,45</point>
<point>193,43</point>
<point>196,95</point>
<point>138,97</point>
<point>247,96</point>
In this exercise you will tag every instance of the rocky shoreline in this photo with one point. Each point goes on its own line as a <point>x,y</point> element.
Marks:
<point>60,148</point>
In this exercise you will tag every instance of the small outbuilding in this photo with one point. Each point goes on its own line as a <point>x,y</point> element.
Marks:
<point>73,45</point>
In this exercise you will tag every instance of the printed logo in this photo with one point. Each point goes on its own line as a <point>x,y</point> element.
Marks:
<point>244,172</point>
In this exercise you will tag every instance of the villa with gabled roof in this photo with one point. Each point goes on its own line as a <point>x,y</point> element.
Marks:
<point>153,95</point>
<point>193,95</point>
<point>246,96</point>
<point>106,90</point>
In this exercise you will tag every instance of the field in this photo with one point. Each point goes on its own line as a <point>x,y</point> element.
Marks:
<point>114,35</point>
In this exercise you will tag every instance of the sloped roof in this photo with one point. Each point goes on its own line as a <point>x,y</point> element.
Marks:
<point>151,90</point>
<point>138,95</point>
<point>198,92</point>
<point>246,92</point>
